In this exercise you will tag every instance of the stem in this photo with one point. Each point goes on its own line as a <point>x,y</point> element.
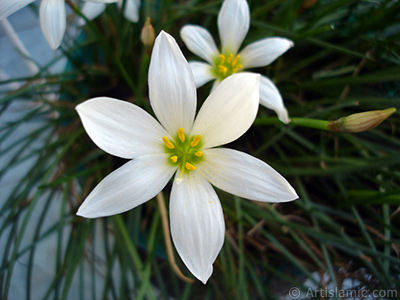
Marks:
<point>167,236</point>
<point>312,123</point>
<point>303,122</point>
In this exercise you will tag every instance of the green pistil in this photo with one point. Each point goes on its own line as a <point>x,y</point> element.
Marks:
<point>226,65</point>
<point>184,151</point>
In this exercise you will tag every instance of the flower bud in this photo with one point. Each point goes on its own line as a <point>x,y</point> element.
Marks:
<point>147,36</point>
<point>361,121</point>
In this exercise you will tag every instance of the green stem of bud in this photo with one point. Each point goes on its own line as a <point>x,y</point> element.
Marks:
<point>358,122</point>
<point>312,123</point>
<point>303,122</point>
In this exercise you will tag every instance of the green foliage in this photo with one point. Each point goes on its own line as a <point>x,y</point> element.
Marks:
<point>346,59</point>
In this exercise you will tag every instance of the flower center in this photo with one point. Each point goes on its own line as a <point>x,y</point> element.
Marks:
<point>184,152</point>
<point>227,65</point>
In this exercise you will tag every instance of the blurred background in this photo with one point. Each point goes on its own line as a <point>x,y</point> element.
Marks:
<point>342,232</point>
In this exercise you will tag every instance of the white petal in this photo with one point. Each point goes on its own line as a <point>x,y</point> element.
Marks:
<point>202,72</point>
<point>121,128</point>
<point>172,87</point>
<point>197,224</point>
<point>134,183</point>
<point>53,20</point>
<point>200,42</point>
<point>8,7</point>
<point>131,11</point>
<point>272,99</point>
<point>245,176</point>
<point>233,24</point>
<point>215,84</point>
<point>229,110</point>
<point>91,10</point>
<point>264,52</point>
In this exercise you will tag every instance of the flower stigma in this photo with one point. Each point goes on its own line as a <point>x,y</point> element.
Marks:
<point>226,65</point>
<point>184,152</point>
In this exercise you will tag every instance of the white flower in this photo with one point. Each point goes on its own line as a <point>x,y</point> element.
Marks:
<point>92,10</point>
<point>233,25</point>
<point>184,146</point>
<point>52,14</point>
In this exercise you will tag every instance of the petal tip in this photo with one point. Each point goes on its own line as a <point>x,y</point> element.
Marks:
<point>78,108</point>
<point>204,281</point>
<point>81,213</point>
<point>295,196</point>
<point>254,76</point>
<point>88,211</point>
<point>54,46</point>
<point>292,194</point>
<point>84,212</point>
<point>163,33</point>
<point>283,115</point>
<point>286,43</point>
<point>205,276</point>
<point>162,36</point>
<point>81,107</point>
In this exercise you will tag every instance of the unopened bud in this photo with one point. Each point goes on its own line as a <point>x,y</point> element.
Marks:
<point>147,36</point>
<point>361,121</point>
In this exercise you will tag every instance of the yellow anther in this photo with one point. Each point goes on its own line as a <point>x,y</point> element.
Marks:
<point>195,141</point>
<point>222,69</point>
<point>222,57</point>
<point>235,69</point>
<point>168,143</point>
<point>174,158</point>
<point>199,153</point>
<point>181,134</point>
<point>230,57</point>
<point>237,57</point>
<point>189,166</point>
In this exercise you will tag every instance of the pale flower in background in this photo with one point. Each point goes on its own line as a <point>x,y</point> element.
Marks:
<point>182,145</point>
<point>233,25</point>
<point>52,14</point>
<point>93,9</point>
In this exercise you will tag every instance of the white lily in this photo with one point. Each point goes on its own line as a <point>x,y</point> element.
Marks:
<point>52,14</point>
<point>233,25</point>
<point>184,146</point>
<point>92,10</point>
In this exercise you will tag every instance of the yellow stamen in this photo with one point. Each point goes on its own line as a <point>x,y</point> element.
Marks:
<point>195,141</point>
<point>199,153</point>
<point>168,143</point>
<point>235,60</point>
<point>222,69</point>
<point>174,158</point>
<point>235,69</point>
<point>181,134</point>
<point>230,57</point>
<point>222,57</point>
<point>189,166</point>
